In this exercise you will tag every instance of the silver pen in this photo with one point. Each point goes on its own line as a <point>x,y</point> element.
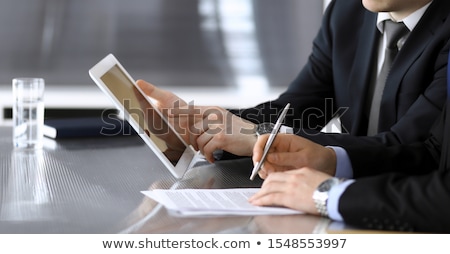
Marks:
<point>269,142</point>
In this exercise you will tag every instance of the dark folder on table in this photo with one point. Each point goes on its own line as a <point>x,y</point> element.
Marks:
<point>86,127</point>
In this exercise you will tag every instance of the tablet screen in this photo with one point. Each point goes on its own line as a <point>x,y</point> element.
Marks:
<point>143,114</point>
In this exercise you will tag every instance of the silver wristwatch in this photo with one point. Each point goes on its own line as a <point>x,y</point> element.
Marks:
<point>264,128</point>
<point>320,195</point>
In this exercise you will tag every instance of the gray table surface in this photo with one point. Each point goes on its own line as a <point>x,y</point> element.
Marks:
<point>93,185</point>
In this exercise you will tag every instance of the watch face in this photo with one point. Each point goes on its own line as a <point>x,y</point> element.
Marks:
<point>320,195</point>
<point>326,185</point>
<point>264,128</point>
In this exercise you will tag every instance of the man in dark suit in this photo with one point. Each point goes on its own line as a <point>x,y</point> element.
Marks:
<point>341,67</point>
<point>413,196</point>
<point>401,187</point>
<point>337,81</point>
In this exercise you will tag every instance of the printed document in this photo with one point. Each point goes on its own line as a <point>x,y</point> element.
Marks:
<point>190,202</point>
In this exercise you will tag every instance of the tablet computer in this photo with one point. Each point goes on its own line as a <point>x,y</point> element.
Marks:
<point>151,125</point>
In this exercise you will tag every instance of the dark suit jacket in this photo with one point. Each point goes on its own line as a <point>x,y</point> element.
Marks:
<point>412,159</point>
<point>339,70</point>
<point>415,195</point>
<point>415,198</point>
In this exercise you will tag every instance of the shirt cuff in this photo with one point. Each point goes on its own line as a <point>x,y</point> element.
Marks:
<point>344,167</point>
<point>286,129</point>
<point>333,200</point>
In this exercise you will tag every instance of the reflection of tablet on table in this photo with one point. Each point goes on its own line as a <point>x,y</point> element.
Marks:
<point>146,119</point>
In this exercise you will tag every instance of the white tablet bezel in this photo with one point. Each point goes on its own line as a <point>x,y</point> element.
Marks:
<point>97,72</point>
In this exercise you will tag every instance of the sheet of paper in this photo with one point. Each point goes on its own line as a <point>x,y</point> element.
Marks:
<point>213,202</point>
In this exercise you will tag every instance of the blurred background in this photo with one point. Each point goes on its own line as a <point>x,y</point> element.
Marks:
<point>231,53</point>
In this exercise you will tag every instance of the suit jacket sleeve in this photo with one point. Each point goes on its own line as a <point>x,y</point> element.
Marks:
<point>415,197</point>
<point>416,158</point>
<point>308,89</point>
<point>398,202</point>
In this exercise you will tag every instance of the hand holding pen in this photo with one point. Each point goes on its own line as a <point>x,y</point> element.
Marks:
<point>269,142</point>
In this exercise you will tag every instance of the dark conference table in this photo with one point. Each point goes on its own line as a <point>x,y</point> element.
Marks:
<point>93,185</point>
